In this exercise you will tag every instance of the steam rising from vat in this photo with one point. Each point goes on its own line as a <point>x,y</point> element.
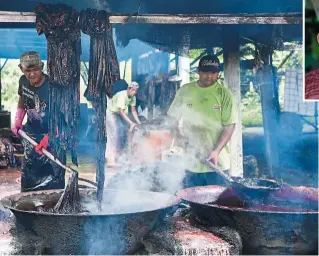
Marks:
<point>101,5</point>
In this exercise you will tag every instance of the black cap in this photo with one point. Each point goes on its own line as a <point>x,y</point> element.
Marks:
<point>209,63</point>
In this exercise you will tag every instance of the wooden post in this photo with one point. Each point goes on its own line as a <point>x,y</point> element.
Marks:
<point>184,69</point>
<point>134,66</point>
<point>265,80</point>
<point>275,89</point>
<point>151,95</point>
<point>183,61</point>
<point>232,81</point>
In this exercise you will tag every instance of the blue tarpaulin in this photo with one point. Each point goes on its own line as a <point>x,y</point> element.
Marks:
<point>13,42</point>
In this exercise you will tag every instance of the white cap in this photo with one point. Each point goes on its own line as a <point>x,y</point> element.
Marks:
<point>133,84</point>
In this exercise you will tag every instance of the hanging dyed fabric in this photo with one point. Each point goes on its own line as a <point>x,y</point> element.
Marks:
<point>103,72</point>
<point>59,23</point>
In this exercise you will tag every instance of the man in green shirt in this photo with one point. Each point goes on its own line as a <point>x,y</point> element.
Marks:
<point>208,113</point>
<point>118,121</point>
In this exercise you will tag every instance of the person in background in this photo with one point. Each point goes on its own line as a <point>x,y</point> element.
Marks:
<point>37,173</point>
<point>209,116</point>
<point>118,122</point>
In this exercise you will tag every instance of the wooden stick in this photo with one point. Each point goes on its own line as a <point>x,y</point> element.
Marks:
<point>172,145</point>
<point>50,156</point>
<point>257,18</point>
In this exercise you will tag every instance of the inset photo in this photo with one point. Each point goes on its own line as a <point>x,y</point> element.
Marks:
<point>311,89</point>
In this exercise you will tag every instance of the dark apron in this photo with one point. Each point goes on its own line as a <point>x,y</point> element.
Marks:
<point>38,172</point>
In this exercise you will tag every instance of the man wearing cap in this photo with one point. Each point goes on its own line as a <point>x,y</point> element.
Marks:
<point>208,114</point>
<point>118,121</point>
<point>37,173</point>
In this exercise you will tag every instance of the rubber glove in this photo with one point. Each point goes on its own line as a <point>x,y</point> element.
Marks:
<point>18,121</point>
<point>44,143</point>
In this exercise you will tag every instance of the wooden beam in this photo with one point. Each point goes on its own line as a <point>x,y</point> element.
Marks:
<point>232,80</point>
<point>258,18</point>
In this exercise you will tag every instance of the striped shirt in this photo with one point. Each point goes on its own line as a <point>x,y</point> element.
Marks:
<point>312,85</point>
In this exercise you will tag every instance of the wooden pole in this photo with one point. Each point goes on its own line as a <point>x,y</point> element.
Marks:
<point>183,59</point>
<point>258,18</point>
<point>275,89</point>
<point>269,115</point>
<point>134,67</point>
<point>232,80</point>
<point>151,96</point>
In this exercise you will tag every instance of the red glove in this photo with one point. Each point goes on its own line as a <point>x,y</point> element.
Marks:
<point>44,143</point>
<point>18,121</point>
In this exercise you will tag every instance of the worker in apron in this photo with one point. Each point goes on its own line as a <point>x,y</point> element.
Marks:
<point>37,172</point>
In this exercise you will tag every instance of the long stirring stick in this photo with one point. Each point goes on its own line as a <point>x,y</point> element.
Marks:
<point>49,155</point>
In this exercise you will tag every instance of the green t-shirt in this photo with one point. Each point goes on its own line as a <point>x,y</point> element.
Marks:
<point>121,101</point>
<point>205,111</point>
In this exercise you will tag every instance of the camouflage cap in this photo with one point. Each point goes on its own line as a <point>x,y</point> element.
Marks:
<point>31,59</point>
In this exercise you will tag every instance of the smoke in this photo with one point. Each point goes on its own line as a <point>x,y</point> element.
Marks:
<point>131,203</point>
<point>127,216</point>
<point>157,176</point>
<point>100,5</point>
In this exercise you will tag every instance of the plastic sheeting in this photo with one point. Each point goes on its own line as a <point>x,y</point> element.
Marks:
<point>38,172</point>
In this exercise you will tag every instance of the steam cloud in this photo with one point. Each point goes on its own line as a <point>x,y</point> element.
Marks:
<point>101,5</point>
